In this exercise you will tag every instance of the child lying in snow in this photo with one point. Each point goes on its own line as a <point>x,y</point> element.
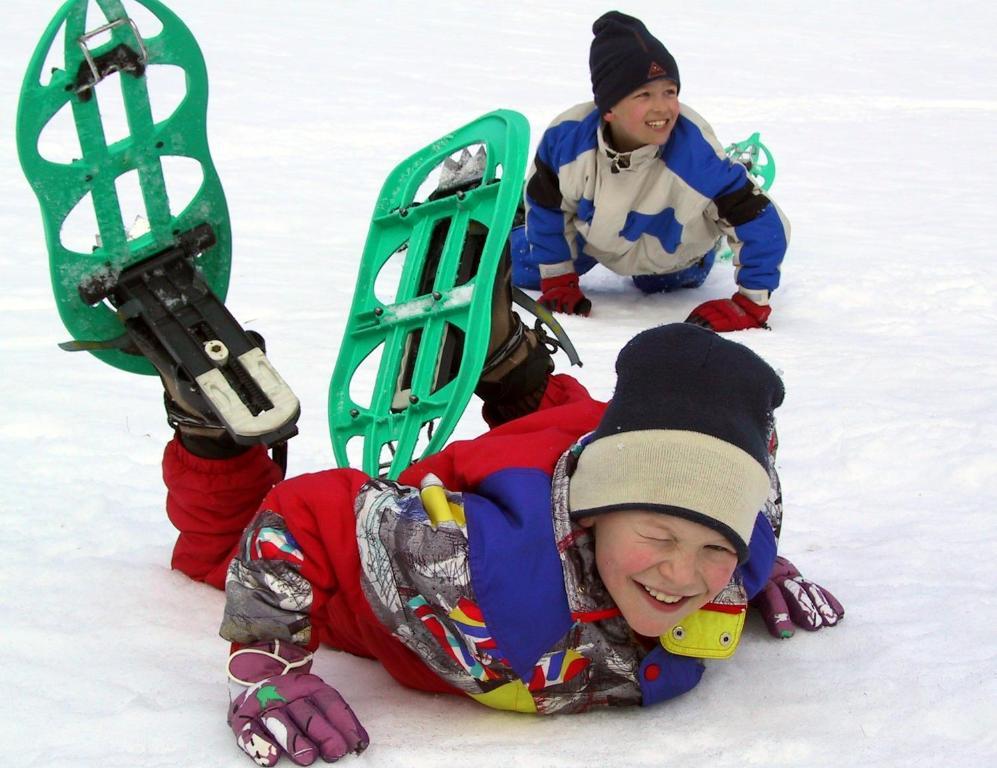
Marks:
<point>575,556</point>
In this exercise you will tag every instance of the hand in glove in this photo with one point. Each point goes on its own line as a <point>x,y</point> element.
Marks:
<point>285,709</point>
<point>788,601</point>
<point>738,313</point>
<point>562,294</point>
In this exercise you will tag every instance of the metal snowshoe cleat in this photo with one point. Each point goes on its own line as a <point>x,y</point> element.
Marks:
<point>461,173</point>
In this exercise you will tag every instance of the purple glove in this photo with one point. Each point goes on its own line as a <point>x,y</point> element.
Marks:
<point>285,709</point>
<point>788,601</point>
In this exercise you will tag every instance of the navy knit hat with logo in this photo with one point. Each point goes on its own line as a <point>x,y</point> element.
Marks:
<point>686,433</point>
<point>624,56</point>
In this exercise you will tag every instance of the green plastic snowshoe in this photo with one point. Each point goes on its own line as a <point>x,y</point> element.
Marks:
<point>756,158</point>
<point>760,165</point>
<point>158,288</point>
<point>418,329</point>
<point>91,60</point>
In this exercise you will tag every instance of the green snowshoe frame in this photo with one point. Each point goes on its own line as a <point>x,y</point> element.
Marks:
<point>754,156</point>
<point>433,310</point>
<point>760,164</point>
<point>60,187</point>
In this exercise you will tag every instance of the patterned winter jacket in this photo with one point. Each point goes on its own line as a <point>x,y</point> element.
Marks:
<point>486,589</point>
<point>654,210</point>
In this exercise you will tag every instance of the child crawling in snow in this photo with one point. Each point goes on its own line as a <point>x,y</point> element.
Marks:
<point>637,181</point>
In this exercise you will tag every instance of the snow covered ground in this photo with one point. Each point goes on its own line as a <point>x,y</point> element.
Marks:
<point>881,117</point>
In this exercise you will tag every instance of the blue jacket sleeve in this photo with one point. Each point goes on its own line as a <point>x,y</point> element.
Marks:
<point>743,209</point>
<point>762,550</point>
<point>549,218</point>
<point>545,221</point>
<point>664,676</point>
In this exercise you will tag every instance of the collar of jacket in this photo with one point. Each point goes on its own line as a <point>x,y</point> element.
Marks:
<point>588,598</point>
<point>619,162</point>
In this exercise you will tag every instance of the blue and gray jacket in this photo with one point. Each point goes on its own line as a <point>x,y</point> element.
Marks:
<point>654,210</point>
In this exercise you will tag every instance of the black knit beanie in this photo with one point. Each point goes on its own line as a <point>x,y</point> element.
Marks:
<point>686,433</point>
<point>624,56</point>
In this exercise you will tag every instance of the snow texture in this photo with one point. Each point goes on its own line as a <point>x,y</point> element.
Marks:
<point>881,118</point>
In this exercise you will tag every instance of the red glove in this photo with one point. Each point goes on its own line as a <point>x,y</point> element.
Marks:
<point>737,313</point>
<point>562,294</point>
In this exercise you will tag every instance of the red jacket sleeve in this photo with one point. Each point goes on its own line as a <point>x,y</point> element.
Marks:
<point>210,501</point>
<point>566,412</point>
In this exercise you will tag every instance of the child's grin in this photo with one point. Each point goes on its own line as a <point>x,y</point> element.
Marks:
<point>664,600</point>
<point>659,568</point>
<point>646,116</point>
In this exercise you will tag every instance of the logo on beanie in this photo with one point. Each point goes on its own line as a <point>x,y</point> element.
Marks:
<point>656,70</point>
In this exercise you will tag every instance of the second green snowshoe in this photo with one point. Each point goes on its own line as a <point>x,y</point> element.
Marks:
<point>420,320</point>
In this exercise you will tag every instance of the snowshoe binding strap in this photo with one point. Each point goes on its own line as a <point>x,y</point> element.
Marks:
<point>546,318</point>
<point>173,318</point>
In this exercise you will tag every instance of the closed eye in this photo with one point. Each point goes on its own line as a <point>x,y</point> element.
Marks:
<point>720,548</point>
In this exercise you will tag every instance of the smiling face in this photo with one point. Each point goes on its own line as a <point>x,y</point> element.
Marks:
<point>644,116</point>
<point>659,568</point>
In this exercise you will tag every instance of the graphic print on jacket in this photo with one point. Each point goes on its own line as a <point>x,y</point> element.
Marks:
<point>266,597</point>
<point>433,591</point>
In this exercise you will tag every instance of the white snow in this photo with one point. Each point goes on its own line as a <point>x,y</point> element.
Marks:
<point>881,117</point>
